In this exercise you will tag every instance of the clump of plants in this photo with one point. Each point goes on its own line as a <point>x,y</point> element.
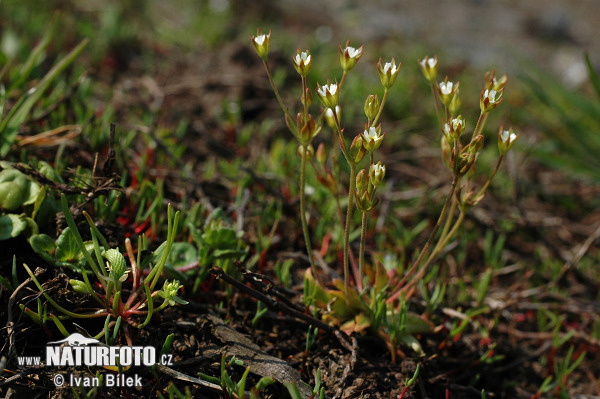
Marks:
<point>124,295</point>
<point>369,296</point>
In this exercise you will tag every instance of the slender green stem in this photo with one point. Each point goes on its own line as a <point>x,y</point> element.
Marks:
<point>443,241</point>
<point>56,305</point>
<point>347,226</point>
<point>478,126</point>
<point>489,180</point>
<point>417,262</point>
<point>303,215</point>
<point>361,257</point>
<point>448,220</point>
<point>343,79</point>
<point>341,136</point>
<point>288,118</point>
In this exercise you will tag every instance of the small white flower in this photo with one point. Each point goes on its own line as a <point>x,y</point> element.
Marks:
<point>303,56</point>
<point>491,96</point>
<point>332,88</point>
<point>446,88</point>
<point>390,66</point>
<point>508,137</point>
<point>371,134</point>
<point>352,52</point>
<point>260,39</point>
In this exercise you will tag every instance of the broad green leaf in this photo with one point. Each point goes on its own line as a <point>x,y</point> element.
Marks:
<point>11,226</point>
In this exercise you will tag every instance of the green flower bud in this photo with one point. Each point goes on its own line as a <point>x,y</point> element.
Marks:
<point>321,154</point>
<point>169,293</point>
<point>388,72</point>
<point>372,105</point>
<point>328,115</point>
<point>357,150</point>
<point>309,151</point>
<point>429,68</point>
<point>362,181</point>
<point>308,130</point>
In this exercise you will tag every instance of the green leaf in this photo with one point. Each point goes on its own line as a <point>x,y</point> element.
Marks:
<point>43,245</point>
<point>228,253</point>
<point>66,247</point>
<point>11,226</point>
<point>221,238</point>
<point>182,254</point>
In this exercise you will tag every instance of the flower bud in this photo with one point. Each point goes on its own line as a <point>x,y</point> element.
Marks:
<point>328,94</point>
<point>476,145</point>
<point>349,56</point>
<point>329,116</point>
<point>308,130</point>
<point>307,97</point>
<point>377,173</point>
<point>455,103</point>
<point>321,154</point>
<point>357,150</point>
<point>362,181</point>
<point>491,83</point>
<point>388,72</point>
<point>490,99</point>
<point>506,139</point>
<point>372,138</point>
<point>309,151</point>
<point>447,90</point>
<point>372,105</point>
<point>302,62</point>
<point>261,44</point>
<point>169,293</point>
<point>429,68</point>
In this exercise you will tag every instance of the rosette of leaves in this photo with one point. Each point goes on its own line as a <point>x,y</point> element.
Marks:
<point>121,292</point>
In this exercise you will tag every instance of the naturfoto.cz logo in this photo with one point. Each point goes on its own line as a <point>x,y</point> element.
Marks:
<point>83,351</point>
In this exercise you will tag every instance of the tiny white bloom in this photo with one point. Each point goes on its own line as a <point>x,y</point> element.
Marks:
<point>352,52</point>
<point>260,39</point>
<point>446,88</point>
<point>332,88</point>
<point>303,56</point>
<point>389,66</point>
<point>432,62</point>
<point>508,137</point>
<point>371,134</point>
<point>490,95</point>
<point>378,169</point>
